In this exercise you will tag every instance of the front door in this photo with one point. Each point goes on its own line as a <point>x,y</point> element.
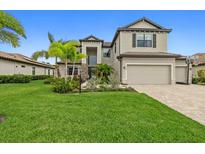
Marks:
<point>91,71</point>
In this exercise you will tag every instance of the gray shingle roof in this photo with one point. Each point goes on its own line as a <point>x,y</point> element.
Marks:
<point>91,37</point>
<point>107,44</point>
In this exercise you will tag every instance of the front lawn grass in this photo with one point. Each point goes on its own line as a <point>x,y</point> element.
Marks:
<point>35,114</point>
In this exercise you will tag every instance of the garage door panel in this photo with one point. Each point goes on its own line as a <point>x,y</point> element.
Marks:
<point>181,74</point>
<point>149,74</point>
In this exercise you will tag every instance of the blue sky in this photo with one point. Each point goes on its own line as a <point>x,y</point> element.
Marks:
<point>187,37</point>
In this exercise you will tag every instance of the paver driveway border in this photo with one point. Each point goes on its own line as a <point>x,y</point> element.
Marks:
<point>187,99</point>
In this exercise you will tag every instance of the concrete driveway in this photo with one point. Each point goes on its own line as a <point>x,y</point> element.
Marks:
<point>187,99</point>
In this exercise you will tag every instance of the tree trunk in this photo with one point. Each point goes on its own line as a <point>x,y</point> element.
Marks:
<point>73,70</point>
<point>66,71</point>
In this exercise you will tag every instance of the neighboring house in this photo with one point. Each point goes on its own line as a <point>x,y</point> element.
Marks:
<point>12,63</point>
<point>198,58</point>
<point>138,53</point>
<point>196,68</point>
<point>198,61</point>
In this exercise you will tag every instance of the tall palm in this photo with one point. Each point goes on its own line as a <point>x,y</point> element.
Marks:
<point>64,51</point>
<point>10,29</point>
<point>44,53</point>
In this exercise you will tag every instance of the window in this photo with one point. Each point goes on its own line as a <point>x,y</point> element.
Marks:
<point>49,71</point>
<point>70,70</point>
<point>144,40</point>
<point>23,66</point>
<point>92,60</point>
<point>33,71</point>
<point>106,52</point>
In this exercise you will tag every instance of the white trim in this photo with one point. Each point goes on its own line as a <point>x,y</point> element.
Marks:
<point>151,64</point>
<point>181,65</point>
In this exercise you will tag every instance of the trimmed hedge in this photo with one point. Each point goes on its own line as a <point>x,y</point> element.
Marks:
<point>40,77</point>
<point>20,78</point>
<point>197,80</point>
<point>15,78</point>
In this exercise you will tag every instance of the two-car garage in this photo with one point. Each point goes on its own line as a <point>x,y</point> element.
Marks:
<point>152,69</point>
<point>148,74</point>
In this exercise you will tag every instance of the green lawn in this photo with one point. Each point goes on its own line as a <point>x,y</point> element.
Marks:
<point>35,114</point>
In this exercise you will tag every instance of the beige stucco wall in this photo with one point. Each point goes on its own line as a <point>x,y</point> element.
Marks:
<point>126,42</point>
<point>107,60</point>
<point>11,67</point>
<point>62,69</point>
<point>148,61</point>
<point>116,62</point>
<point>143,24</point>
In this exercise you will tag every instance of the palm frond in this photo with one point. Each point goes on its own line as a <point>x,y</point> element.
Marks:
<point>50,37</point>
<point>7,21</point>
<point>9,37</point>
<point>38,54</point>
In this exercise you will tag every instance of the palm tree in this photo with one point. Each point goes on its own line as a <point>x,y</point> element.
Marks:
<point>76,57</point>
<point>10,29</point>
<point>65,51</point>
<point>44,53</point>
<point>103,71</point>
<point>38,54</point>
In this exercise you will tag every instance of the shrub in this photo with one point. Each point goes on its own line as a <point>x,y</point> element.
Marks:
<point>40,77</point>
<point>49,80</point>
<point>93,83</point>
<point>60,86</point>
<point>17,78</point>
<point>201,73</point>
<point>113,81</point>
<point>103,71</point>
<point>195,80</point>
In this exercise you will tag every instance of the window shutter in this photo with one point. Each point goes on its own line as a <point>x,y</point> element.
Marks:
<point>154,40</point>
<point>134,40</point>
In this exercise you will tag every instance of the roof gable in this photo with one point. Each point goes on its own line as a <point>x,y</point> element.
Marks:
<point>91,38</point>
<point>144,23</point>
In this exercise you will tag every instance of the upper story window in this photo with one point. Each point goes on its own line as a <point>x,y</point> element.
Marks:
<point>92,59</point>
<point>144,40</point>
<point>106,52</point>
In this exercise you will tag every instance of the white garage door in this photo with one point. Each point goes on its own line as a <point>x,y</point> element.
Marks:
<point>181,74</point>
<point>149,74</point>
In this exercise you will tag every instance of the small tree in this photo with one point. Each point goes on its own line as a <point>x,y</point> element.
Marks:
<point>103,71</point>
<point>65,51</point>
<point>76,57</point>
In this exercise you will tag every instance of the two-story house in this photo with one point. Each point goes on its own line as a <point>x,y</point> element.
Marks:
<point>138,53</point>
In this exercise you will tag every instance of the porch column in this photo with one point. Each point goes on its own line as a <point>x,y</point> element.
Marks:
<point>99,52</point>
<point>84,52</point>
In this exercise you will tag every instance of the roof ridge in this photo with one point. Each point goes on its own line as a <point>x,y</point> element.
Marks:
<point>144,19</point>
